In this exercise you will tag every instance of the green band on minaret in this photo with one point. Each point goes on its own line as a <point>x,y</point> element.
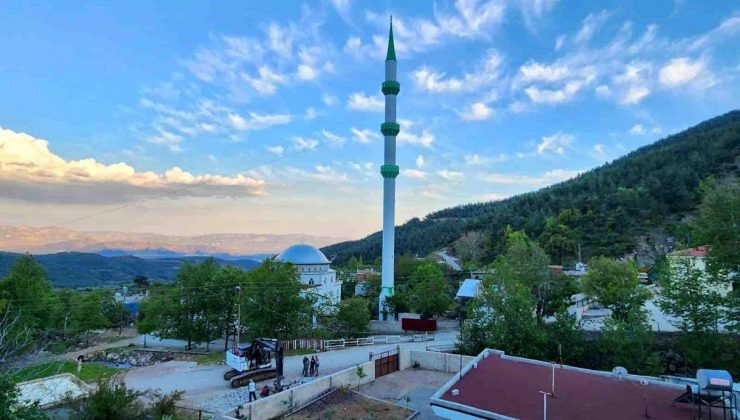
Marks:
<point>391,87</point>
<point>390,128</point>
<point>389,171</point>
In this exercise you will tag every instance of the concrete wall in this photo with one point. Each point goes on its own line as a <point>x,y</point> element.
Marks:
<point>430,360</point>
<point>278,404</point>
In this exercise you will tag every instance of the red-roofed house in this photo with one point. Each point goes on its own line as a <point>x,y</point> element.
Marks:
<point>497,386</point>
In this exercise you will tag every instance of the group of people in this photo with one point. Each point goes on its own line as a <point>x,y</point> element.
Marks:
<point>311,367</point>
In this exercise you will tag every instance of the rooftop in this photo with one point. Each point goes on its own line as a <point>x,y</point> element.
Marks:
<point>699,251</point>
<point>303,254</point>
<point>510,386</point>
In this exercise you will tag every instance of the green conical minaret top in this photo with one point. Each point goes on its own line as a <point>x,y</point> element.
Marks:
<point>391,55</point>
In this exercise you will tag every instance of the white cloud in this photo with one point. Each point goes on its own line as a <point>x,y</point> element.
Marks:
<point>257,121</point>
<point>310,113</point>
<point>425,138</point>
<point>556,143</point>
<point>598,151</point>
<point>414,173</point>
<point>301,143</point>
<point>358,101</point>
<point>491,197</point>
<point>680,71</point>
<point>538,72</point>
<point>364,136</point>
<point>278,150</point>
<point>473,18</point>
<point>329,99</point>
<point>565,94</point>
<point>635,94</point>
<point>559,42</point>
<point>166,138</point>
<point>332,138</point>
<point>430,193</point>
<point>637,130</point>
<point>321,173</point>
<point>477,111</point>
<point>533,10</point>
<point>280,39</point>
<point>420,162</point>
<point>436,82</point>
<point>476,159</point>
<point>548,178</point>
<point>590,25</point>
<point>267,81</point>
<point>306,72</point>
<point>634,82</point>
<point>29,171</point>
<point>603,91</point>
<point>451,175</point>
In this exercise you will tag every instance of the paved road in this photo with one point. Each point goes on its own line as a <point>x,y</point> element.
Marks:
<point>450,261</point>
<point>205,387</point>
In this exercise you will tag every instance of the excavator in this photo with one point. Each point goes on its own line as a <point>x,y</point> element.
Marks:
<point>255,362</point>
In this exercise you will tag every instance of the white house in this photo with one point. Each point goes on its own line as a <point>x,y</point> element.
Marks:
<point>697,257</point>
<point>314,269</point>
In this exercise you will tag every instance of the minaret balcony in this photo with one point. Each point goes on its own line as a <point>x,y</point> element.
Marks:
<point>389,171</point>
<point>390,128</point>
<point>391,87</point>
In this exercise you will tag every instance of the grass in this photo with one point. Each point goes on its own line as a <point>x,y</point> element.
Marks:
<point>90,371</point>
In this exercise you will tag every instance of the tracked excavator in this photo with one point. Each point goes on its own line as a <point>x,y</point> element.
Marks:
<point>258,361</point>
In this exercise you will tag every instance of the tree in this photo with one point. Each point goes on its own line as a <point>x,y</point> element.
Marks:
<point>94,310</point>
<point>28,292</point>
<point>141,281</point>
<point>430,294</point>
<point>718,225</point>
<point>352,317</point>
<point>557,238</point>
<point>503,317</point>
<point>615,285</point>
<point>400,302</point>
<point>627,342</point>
<point>275,303</point>
<point>470,246</point>
<point>9,407</point>
<point>691,297</point>
<point>226,299</point>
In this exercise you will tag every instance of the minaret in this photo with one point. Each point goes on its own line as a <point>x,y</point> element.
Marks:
<point>389,170</point>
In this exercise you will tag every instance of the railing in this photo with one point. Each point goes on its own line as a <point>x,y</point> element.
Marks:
<point>342,343</point>
<point>304,344</point>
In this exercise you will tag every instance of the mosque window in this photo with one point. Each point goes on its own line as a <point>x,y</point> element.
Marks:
<point>310,282</point>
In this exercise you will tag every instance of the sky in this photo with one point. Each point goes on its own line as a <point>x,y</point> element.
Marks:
<point>263,117</point>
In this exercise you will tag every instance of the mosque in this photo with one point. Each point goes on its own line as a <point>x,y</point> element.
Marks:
<point>314,269</point>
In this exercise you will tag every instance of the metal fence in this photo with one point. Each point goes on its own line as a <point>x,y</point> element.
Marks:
<point>375,340</point>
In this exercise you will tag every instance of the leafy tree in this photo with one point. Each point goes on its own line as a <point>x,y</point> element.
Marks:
<point>275,304</point>
<point>117,315</point>
<point>9,408</point>
<point>110,400</point>
<point>352,317</point>
<point>718,225</point>
<point>225,301</point>
<point>141,281</point>
<point>430,295</point>
<point>565,341</point>
<point>27,292</point>
<point>628,342</point>
<point>503,317</point>
<point>691,297</point>
<point>89,312</point>
<point>557,238</point>
<point>400,302</point>
<point>615,285</point>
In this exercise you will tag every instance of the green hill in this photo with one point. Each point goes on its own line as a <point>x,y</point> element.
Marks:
<point>80,269</point>
<point>631,204</point>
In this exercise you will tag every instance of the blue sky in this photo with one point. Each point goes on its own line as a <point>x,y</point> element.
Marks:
<point>265,117</point>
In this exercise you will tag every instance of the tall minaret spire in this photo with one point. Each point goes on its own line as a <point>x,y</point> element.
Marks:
<point>389,170</point>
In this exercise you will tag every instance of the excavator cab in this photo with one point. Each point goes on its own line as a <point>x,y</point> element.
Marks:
<point>254,362</point>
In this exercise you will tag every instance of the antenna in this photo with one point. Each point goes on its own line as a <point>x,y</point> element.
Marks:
<point>544,404</point>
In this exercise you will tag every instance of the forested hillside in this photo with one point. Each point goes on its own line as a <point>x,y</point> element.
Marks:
<point>80,269</point>
<point>608,210</point>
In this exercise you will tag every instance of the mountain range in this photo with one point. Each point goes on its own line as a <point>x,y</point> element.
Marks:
<point>48,240</point>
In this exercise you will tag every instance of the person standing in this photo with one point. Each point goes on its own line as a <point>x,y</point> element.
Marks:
<point>305,366</point>
<point>312,366</point>
<point>252,387</point>
<point>316,370</point>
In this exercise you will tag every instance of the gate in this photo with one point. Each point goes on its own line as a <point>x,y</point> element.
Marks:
<point>385,362</point>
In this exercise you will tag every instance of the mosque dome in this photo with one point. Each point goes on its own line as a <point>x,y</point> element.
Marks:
<point>303,254</point>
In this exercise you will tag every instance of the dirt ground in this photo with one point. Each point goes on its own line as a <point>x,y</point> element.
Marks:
<point>351,405</point>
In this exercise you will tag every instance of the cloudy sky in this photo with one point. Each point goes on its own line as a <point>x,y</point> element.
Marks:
<point>264,118</point>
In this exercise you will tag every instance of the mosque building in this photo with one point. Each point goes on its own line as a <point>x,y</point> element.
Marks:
<point>314,270</point>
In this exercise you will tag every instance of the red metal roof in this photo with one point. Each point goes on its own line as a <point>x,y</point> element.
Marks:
<point>699,251</point>
<point>511,387</point>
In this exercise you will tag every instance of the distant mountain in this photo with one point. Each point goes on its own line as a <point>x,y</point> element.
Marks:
<point>80,269</point>
<point>47,240</point>
<point>631,205</point>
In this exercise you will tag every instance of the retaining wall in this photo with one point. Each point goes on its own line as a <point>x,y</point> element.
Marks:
<point>278,404</point>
